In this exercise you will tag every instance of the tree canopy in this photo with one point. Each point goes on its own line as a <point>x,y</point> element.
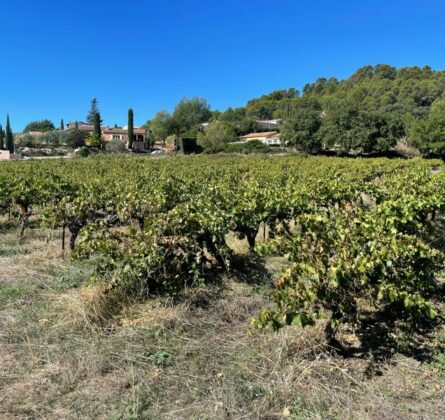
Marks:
<point>216,136</point>
<point>42,126</point>
<point>94,109</point>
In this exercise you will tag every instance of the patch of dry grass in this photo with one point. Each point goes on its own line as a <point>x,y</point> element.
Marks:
<point>192,358</point>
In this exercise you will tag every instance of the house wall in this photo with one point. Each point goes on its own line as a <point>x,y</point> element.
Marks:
<point>137,144</point>
<point>5,155</point>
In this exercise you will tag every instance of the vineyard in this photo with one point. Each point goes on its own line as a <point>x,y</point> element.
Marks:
<point>363,239</point>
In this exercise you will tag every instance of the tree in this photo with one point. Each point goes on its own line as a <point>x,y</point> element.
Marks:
<point>301,131</point>
<point>2,138</point>
<point>93,111</point>
<point>115,146</point>
<point>233,115</point>
<point>76,138</point>
<point>190,114</point>
<point>9,137</point>
<point>96,123</point>
<point>42,126</point>
<point>62,125</point>
<point>28,140</point>
<point>428,134</point>
<point>160,127</point>
<point>216,136</point>
<point>130,128</point>
<point>246,126</point>
<point>349,127</point>
<point>54,138</point>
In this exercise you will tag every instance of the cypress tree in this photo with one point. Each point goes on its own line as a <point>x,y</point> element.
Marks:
<point>76,125</point>
<point>96,124</point>
<point>2,138</point>
<point>130,128</point>
<point>9,136</point>
<point>62,125</point>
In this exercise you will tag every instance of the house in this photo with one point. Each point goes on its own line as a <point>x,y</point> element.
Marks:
<point>272,138</point>
<point>269,124</point>
<point>109,134</point>
<point>140,134</point>
<point>80,125</point>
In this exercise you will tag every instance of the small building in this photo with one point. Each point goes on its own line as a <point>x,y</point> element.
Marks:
<point>109,134</point>
<point>271,138</point>
<point>84,126</point>
<point>269,124</point>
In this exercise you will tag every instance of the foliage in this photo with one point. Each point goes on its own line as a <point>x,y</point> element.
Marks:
<point>115,145</point>
<point>189,145</point>
<point>385,96</point>
<point>76,138</point>
<point>354,253</point>
<point>160,127</point>
<point>428,134</point>
<point>2,138</point>
<point>41,126</point>
<point>94,109</point>
<point>27,140</point>
<point>252,146</point>
<point>216,136</point>
<point>349,127</point>
<point>97,132</point>
<point>9,137</point>
<point>189,114</point>
<point>94,141</point>
<point>163,224</point>
<point>84,152</point>
<point>54,138</point>
<point>130,129</point>
<point>301,131</point>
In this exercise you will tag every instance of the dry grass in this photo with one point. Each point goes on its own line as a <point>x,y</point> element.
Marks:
<point>196,358</point>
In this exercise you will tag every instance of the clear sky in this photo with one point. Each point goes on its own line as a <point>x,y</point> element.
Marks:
<point>148,54</point>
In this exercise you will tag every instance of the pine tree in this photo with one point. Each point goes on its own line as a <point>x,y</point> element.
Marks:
<point>2,138</point>
<point>130,129</point>
<point>93,111</point>
<point>9,136</point>
<point>62,125</point>
<point>96,124</point>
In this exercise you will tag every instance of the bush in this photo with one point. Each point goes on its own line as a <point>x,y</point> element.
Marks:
<point>254,146</point>
<point>54,138</point>
<point>216,136</point>
<point>76,138</point>
<point>27,140</point>
<point>115,146</point>
<point>94,141</point>
<point>189,145</point>
<point>83,152</point>
<point>42,126</point>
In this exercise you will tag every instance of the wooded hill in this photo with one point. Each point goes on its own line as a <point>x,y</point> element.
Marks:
<point>388,103</point>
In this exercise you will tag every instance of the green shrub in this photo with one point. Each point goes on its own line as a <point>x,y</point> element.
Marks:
<point>83,152</point>
<point>115,146</point>
<point>253,146</point>
<point>188,146</point>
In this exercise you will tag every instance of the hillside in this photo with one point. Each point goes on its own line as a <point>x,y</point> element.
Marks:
<point>381,87</point>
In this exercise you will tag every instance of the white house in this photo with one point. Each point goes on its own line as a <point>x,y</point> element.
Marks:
<point>271,138</point>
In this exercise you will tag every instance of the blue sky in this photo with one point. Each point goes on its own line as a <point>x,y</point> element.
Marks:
<point>57,55</point>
